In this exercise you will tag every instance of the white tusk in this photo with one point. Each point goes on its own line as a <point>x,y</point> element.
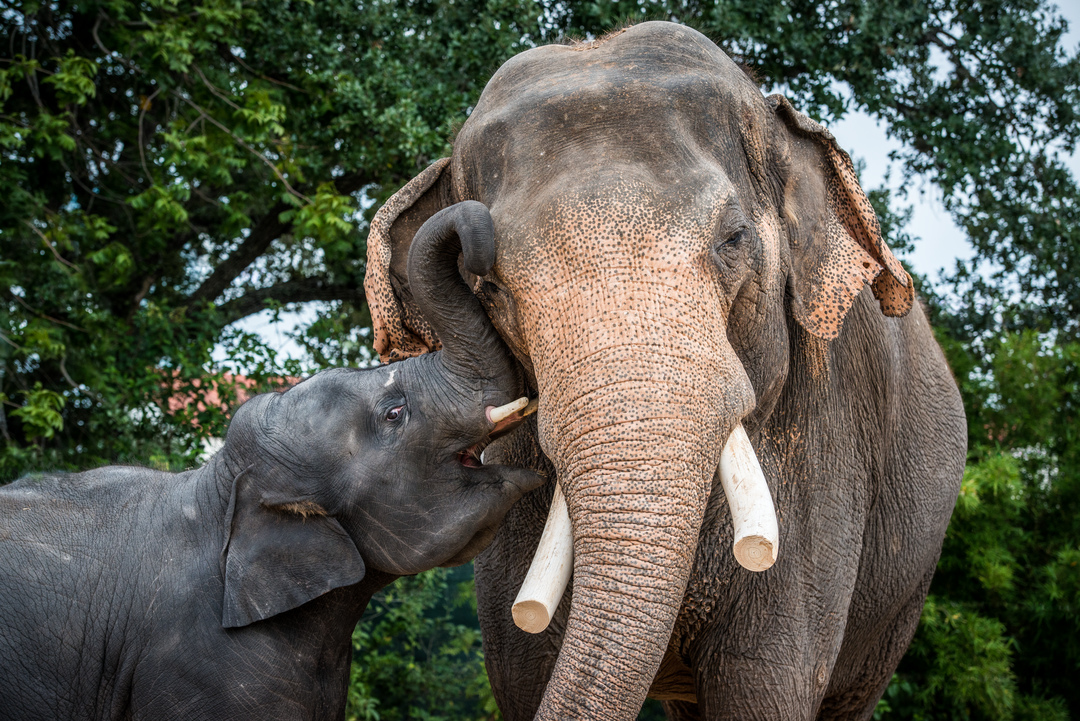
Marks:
<point>497,414</point>
<point>757,537</point>
<point>550,571</point>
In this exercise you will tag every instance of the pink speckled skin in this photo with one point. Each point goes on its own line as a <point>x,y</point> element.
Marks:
<point>676,253</point>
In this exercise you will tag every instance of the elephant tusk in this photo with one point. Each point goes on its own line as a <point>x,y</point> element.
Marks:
<point>757,537</point>
<point>550,570</point>
<point>497,414</point>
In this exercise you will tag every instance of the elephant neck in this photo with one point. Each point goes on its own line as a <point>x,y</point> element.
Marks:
<point>374,581</point>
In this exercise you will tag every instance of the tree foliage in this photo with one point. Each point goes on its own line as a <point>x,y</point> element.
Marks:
<point>170,167</point>
<point>998,634</point>
<point>417,653</point>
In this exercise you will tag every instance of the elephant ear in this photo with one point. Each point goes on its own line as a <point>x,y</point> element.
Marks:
<point>837,246</point>
<point>400,330</point>
<point>280,553</point>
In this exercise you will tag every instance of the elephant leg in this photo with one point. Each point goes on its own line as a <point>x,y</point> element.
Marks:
<point>750,688</point>
<point>867,661</point>
<point>519,664</point>
<point>682,711</point>
<point>767,651</point>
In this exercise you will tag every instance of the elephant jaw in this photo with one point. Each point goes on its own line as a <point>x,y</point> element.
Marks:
<point>757,538</point>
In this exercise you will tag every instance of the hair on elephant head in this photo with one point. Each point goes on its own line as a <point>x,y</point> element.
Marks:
<point>377,467</point>
<point>678,255</point>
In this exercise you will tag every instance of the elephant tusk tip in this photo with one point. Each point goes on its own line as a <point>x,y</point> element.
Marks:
<point>753,515</point>
<point>531,616</point>
<point>755,553</point>
<point>549,572</point>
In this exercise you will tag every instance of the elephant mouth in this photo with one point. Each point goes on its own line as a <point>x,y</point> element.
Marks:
<point>473,456</point>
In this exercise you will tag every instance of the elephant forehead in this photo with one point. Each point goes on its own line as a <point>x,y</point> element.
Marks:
<point>612,228</point>
<point>664,98</point>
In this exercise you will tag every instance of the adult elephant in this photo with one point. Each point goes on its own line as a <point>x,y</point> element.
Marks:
<point>676,255</point>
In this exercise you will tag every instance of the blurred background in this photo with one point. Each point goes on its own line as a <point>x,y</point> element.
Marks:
<point>185,191</point>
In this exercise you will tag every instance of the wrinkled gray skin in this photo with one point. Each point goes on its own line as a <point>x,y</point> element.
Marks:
<point>676,254</point>
<point>231,591</point>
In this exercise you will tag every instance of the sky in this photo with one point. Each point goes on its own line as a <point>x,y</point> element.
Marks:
<point>939,242</point>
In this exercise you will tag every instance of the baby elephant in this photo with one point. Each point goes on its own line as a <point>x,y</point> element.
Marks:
<point>231,591</point>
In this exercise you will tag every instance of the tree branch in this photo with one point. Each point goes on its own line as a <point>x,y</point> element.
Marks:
<point>260,238</point>
<point>262,235</point>
<point>292,291</point>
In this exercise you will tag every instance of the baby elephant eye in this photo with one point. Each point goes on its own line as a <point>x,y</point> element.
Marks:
<point>394,413</point>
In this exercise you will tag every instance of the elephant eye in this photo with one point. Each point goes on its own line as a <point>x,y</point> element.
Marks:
<point>394,413</point>
<point>734,239</point>
<point>727,253</point>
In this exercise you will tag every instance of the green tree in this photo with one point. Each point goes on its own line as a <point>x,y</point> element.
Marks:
<point>998,634</point>
<point>417,653</point>
<point>170,167</point>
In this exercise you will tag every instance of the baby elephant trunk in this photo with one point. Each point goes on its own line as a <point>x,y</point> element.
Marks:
<point>472,350</point>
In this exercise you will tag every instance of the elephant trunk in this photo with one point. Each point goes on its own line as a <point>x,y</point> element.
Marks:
<point>634,444</point>
<point>633,415</point>
<point>636,503</point>
<point>753,518</point>
<point>472,350</point>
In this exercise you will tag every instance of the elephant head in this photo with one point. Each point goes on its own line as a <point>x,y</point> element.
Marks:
<point>664,235</point>
<point>357,470</point>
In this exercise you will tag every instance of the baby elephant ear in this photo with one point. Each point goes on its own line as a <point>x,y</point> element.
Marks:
<point>279,555</point>
<point>400,330</point>
<point>836,240</point>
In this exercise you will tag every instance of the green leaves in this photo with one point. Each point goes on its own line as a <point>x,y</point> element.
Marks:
<point>40,414</point>
<point>969,658</point>
<point>417,653</point>
<point>114,263</point>
<point>997,638</point>
<point>163,206</point>
<point>73,79</point>
<point>327,218</point>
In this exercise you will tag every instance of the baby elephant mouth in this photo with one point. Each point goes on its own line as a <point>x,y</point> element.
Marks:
<point>506,418</point>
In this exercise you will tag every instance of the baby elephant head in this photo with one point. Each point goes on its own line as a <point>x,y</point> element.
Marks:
<point>355,469</point>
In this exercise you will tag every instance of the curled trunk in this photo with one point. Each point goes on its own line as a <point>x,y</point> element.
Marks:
<point>472,349</point>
